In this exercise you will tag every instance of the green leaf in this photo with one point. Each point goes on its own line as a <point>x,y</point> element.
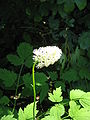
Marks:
<point>24,50</point>
<point>84,73</point>
<point>81,4</point>
<point>41,78</point>
<point>4,100</point>
<point>28,111</point>
<point>84,40</point>
<point>70,75</point>
<point>74,108</point>
<point>76,94</point>
<point>49,118</point>
<point>5,110</point>
<point>21,115</point>
<point>56,96</point>
<point>27,78</point>
<point>8,77</point>
<point>57,111</point>
<point>43,92</point>
<point>85,100</point>
<point>14,59</point>
<point>69,6</point>
<point>53,75</point>
<point>82,114</point>
<point>29,62</point>
<point>8,117</point>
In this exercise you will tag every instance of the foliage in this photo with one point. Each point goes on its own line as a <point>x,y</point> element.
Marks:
<point>25,25</point>
<point>79,107</point>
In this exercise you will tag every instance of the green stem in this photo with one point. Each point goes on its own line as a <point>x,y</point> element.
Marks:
<point>34,91</point>
<point>17,87</point>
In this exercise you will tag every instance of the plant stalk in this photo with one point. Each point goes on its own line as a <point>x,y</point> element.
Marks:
<point>17,87</point>
<point>34,91</point>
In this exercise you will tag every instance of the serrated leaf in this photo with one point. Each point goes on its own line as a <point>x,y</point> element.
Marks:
<point>85,100</point>
<point>81,4</point>
<point>53,75</point>
<point>28,111</point>
<point>21,115</point>
<point>69,6</point>
<point>70,75</point>
<point>82,114</point>
<point>84,40</point>
<point>24,50</point>
<point>43,92</point>
<point>74,108</point>
<point>4,100</point>
<point>76,94</point>
<point>8,77</point>
<point>57,111</point>
<point>27,78</point>
<point>29,62</point>
<point>14,59</point>
<point>8,117</point>
<point>56,96</point>
<point>49,118</point>
<point>40,78</point>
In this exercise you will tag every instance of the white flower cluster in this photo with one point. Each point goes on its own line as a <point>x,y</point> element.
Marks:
<point>46,56</point>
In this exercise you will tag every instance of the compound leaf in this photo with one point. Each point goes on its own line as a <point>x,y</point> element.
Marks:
<point>8,77</point>
<point>56,96</point>
<point>14,59</point>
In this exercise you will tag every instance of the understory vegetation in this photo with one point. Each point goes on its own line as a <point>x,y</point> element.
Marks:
<point>62,89</point>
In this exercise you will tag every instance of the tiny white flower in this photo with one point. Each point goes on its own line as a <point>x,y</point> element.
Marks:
<point>46,56</point>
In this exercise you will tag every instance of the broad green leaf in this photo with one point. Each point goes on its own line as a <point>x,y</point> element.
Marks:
<point>40,78</point>
<point>14,59</point>
<point>43,92</point>
<point>24,50</point>
<point>8,117</point>
<point>85,100</point>
<point>4,100</point>
<point>8,77</point>
<point>53,75</point>
<point>84,73</point>
<point>27,78</point>
<point>82,114</point>
<point>57,111</point>
<point>69,6</point>
<point>84,40</point>
<point>82,60</point>
<point>70,75</point>
<point>76,94</point>
<point>28,111</point>
<point>56,96</point>
<point>81,4</point>
<point>74,108</point>
<point>29,62</point>
<point>21,115</point>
